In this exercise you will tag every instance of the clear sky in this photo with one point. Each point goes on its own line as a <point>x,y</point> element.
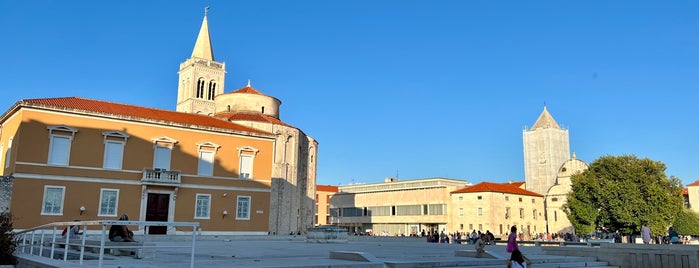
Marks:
<point>413,89</point>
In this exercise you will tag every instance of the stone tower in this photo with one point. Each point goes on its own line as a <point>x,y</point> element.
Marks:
<point>201,77</point>
<point>546,148</point>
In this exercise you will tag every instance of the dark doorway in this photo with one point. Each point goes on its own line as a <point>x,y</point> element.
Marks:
<point>157,210</point>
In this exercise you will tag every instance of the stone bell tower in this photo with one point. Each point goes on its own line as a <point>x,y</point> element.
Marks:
<point>201,77</point>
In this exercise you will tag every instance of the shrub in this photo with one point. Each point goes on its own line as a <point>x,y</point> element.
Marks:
<point>8,241</point>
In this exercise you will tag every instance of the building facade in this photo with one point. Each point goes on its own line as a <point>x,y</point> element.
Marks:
<point>201,91</point>
<point>546,147</point>
<point>557,196</point>
<point>224,159</point>
<point>323,195</point>
<point>495,207</point>
<point>394,207</point>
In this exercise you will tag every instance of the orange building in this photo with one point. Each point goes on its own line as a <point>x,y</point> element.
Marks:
<point>323,195</point>
<point>225,160</point>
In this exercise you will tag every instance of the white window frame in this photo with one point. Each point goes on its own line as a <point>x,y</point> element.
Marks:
<point>208,206</point>
<point>206,147</point>
<point>163,142</point>
<point>480,211</point>
<point>43,203</point>
<point>52,135</point>
<point>245,152</point>
<point>118,157</point>
<point>114,137</point>
<point>116,203</point>
<point>8,154</point>
<point>243,215</point>
<point>461,212</point>
<point>52,150</point>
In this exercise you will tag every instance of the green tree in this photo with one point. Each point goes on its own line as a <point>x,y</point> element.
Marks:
<point>8,241</point>
<point>687,222</point>
<point>620,193</point>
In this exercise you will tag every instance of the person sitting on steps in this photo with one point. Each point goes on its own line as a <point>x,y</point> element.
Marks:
<point>121,233</point>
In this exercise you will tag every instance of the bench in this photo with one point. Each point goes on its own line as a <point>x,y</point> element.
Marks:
<point>139,250</point>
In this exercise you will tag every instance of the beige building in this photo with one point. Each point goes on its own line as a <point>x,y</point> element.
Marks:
<point>395,207</point>
<point>693,196</point>
<point>546,147</point>
<point>323,195</point>
<point>557,196</point>
<point>495,207</point>
<point>223,159</point>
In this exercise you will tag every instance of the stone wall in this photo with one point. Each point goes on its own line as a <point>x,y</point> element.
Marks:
<point>5,192</point>
<point>636,255</point>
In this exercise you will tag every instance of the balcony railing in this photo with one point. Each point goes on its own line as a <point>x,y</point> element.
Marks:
<point>161,176</point>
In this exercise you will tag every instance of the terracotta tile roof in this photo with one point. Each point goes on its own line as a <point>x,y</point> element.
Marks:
<point>138,112</point>
<point>248,90</point>
<point>326,188</point>
<point>519,184</point>
<point>695,183</point>
<point>251,117</point>
<point>495,187</point>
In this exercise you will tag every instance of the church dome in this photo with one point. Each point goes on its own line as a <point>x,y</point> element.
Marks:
<point>247,100</point>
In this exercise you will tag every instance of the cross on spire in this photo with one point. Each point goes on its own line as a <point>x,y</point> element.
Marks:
<point>206,11</point>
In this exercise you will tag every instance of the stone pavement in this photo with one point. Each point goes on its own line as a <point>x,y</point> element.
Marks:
<point>293,251</point>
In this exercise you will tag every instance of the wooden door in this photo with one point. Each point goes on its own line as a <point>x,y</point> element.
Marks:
<point>157,210</point>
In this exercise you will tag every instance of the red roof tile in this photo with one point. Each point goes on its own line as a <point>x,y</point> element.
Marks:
<point>138,112</point>
<point>497,188</point>
<point>695,183</point>
<point>326,188</point>
<point>515,183</point>
<point>248,90</point>
<point>251,117</point>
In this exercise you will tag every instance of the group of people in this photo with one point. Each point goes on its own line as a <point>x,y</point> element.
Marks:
<point>117,233</point>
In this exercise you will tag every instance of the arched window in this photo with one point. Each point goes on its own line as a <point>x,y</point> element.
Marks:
<point>228,108</point>
<point>263,110</point>
<point>200,88</point>
<point>212,90</point>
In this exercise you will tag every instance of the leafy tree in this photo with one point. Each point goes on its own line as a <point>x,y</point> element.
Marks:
<point>687,222</point>
<point>620,193</point>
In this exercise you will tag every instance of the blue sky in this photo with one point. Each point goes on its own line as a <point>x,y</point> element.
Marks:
<point>415,89</point>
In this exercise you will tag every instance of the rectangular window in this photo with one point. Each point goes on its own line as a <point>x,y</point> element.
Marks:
<point>534,214</point>
<point>162,157</point>
<point>480,197</point>
<point>206,163</point>
<point>507,213</point>
<point>480,227</point>
<point>521,213</point>
<point>520,199</point>
<point>245,167</point>
<point>59,150</point>
<point>8,154</point>
<point>507,198</point>
<point>461,198</point>
<point>202,208</point>
<point>243,209</point>
<point>109,198</point>
<point>461,212</point>
<point>53,200</point>
<point>113,154</point>
<point>533,202</point>
<point>480,211</point>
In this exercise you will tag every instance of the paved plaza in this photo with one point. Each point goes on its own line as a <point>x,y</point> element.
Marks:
<point>294,251</point>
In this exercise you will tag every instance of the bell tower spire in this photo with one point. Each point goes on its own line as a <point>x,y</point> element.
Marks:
<point>201,77</point>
